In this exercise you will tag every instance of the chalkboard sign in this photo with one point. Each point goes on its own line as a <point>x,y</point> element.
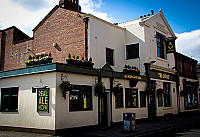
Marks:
<point>142,99</point>
<point>43,100</point>
<point>119,99</point>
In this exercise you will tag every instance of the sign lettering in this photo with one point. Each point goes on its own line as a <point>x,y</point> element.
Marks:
<point>165,76</point>
<point>131,76</point>
<point>43,100</point>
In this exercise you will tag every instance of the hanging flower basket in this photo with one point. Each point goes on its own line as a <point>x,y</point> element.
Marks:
<point>65,86</point>
<point>183,93</point>
<point>99,89</point>
<point>149,90</point>
<point>160,91</point>
<point>118,89</point>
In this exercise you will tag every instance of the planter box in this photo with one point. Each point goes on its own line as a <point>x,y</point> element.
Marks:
<point>131,72</point>
<point>79,63</point>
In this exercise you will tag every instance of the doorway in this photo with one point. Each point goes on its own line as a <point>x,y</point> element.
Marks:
<point>103,110</point>
<point>151,101</point>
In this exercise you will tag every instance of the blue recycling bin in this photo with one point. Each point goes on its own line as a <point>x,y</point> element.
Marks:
<point>129,121</point>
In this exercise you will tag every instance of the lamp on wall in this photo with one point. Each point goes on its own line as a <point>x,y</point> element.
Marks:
<point>31,51</point>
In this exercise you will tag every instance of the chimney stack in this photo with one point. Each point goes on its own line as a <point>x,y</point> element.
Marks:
<point>70,4</point>
<point>145,16</point>
<point>151,12</point>
<point>141,17</point>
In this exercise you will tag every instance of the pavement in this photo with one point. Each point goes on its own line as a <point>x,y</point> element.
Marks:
<point>143,128</point>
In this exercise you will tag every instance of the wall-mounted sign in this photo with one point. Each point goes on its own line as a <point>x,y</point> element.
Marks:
<point>43,100</point>
<point>170,46</point>
<point>131,76</point>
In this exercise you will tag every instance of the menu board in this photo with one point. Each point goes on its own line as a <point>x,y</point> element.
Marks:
<point>142,99</point>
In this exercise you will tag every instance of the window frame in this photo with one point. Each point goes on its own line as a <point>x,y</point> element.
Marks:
<point>135,47</point>
<point>161,46</point>
<point>15,93</point>
<point>131,99</point>
<point>80,98</point>
<point>110,56</point>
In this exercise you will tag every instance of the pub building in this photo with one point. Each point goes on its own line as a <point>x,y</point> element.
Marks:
<point>87,75</point>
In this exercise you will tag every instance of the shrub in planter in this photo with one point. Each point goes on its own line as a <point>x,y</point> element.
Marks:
<point>65,86</point>
<point>99,89</point>
<point>131,70</point>
<point>118,89</point>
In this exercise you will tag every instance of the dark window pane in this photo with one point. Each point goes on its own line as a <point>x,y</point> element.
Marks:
<point>132,51</point>
<point>166,87</point>
<point>131,98</point>
<point>160,46</point>
<point>9,99</point>
<point>109,56</point>
<point>80,98</point>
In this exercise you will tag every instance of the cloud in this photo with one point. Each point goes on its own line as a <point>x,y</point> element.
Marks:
<point>26,14</point>
<point>32,5</point>
<point>92,6</point>
<point>188,43</point>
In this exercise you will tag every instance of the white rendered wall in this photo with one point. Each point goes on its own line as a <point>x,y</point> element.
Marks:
<point>70,119</point>
<point>27,115</point>
<point>134,35</point>
<point>117,114</point>
<point>102,35</point>
<point>161,111</point>
<point>151,44</point>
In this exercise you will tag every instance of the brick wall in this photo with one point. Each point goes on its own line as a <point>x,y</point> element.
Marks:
<point>62,26</point>
<point>189,66</point>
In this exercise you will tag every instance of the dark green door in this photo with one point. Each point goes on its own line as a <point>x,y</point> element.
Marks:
<point>103,113</point>
<point>151,105</point>
<point>151,100</point>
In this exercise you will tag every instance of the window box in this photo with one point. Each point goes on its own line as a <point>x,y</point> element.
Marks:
<point>131,70</point>
<point>38,61</point>
<point>79,62</point>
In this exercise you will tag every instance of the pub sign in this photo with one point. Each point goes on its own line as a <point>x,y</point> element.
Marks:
<point>43,100</point>
<point>170,46</point>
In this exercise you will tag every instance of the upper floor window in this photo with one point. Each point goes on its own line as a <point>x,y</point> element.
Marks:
<point>182,67</point>
<point>109,56</point>
<point>9,99</point>
<point>132,51</point>
<point>161,50</point>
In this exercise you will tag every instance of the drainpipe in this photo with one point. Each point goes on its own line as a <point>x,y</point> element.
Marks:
<point>111,89</point>
<point>86,36</point>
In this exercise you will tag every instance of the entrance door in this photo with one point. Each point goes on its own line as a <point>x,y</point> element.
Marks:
<point>151,105</point>
<point>151,101</point>
<point>103,113</point>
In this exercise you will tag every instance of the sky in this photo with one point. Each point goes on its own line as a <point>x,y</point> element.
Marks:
<point>182,16</point>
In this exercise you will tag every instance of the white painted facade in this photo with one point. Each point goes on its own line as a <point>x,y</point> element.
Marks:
<point>27,115</point>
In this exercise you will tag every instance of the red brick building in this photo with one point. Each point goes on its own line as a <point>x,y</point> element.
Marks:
<point>63,26</point>
<point>186,68</point>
